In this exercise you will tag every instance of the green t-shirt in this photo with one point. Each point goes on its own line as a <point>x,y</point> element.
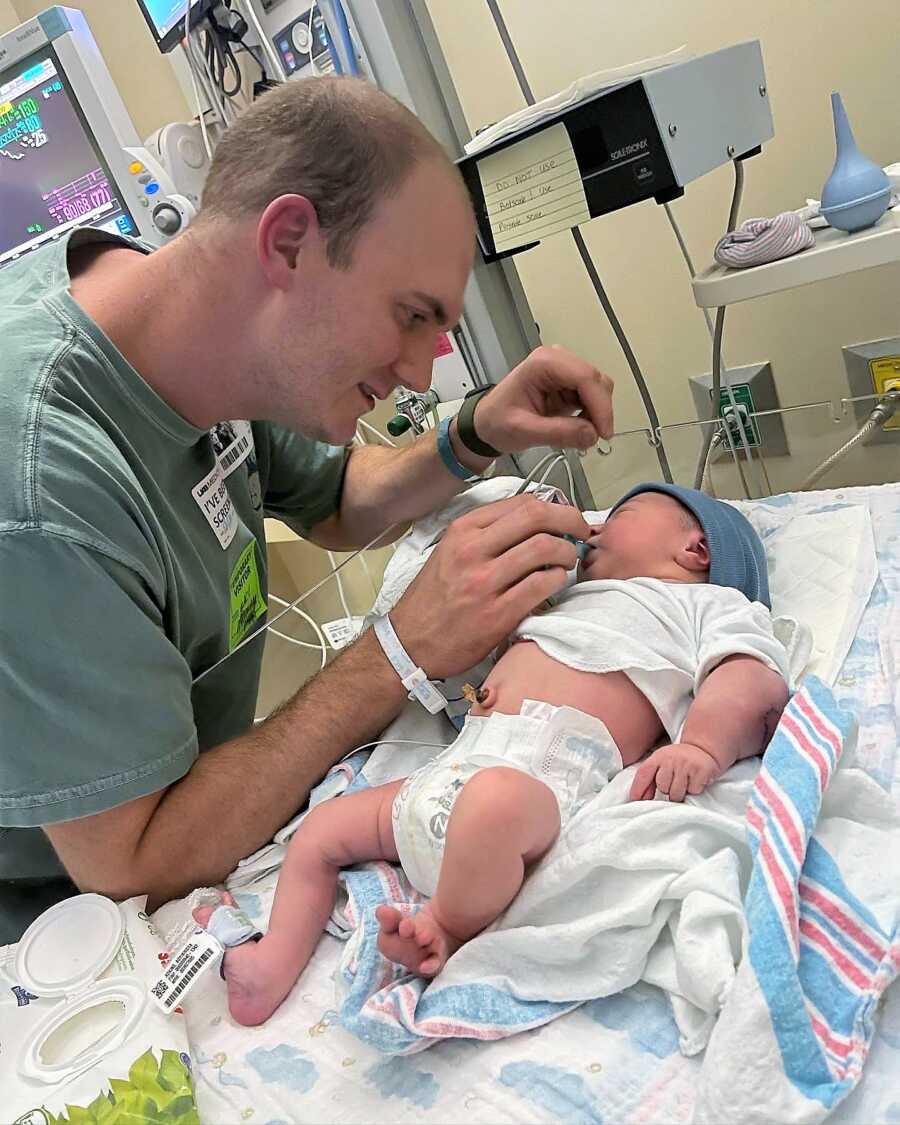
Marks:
<point>132,558</point>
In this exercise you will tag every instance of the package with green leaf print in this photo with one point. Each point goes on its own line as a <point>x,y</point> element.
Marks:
<point>79,1042</point>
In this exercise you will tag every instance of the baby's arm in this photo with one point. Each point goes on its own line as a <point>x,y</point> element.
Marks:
<point>733,716</point>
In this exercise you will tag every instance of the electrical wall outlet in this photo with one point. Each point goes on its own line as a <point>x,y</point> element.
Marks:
<point>873,368</point>
<point>753,388</point>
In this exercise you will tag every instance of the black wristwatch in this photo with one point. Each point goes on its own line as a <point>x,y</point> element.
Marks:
<point>465,425</point>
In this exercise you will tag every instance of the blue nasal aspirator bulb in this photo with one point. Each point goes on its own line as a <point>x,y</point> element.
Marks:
<point>581,547</point>
<point>857,192</point>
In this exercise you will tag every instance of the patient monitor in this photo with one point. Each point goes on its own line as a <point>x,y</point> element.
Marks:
<point>69,153</point>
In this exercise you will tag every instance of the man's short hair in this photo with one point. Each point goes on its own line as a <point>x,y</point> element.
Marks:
<point>340,142</point>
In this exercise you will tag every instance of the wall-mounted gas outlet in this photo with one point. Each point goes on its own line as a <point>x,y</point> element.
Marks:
<point>873,368</point>
<point>753,388</point>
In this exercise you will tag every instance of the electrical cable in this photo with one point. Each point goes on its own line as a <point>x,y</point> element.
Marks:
<point>883,412</point>
<point>592,273</point>
<point>717,440</point>
<point>714,392</point>
<point>362,559</point>
<point>348,616</point>
<point>718,332</point>
<point>381,437</point>
<point>344,31</point>
<point>559,457</point>
<point>300,598</point>
<point>534,472</point>
<point>685,253</point>
<point>201,113</point>
<point>224,106</point>
<point>571,479</point>
<point>312,61</point>
<point>321,646</point>
<point>630,358</point>
<point>249,12</point>
<point>220,58</point>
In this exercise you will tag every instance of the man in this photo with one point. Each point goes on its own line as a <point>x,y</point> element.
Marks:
<point>334,243</point>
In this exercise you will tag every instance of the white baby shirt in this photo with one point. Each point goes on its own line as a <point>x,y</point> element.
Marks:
<point>665,636</point>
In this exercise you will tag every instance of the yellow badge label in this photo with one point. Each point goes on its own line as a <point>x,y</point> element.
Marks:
<point>247,603</point>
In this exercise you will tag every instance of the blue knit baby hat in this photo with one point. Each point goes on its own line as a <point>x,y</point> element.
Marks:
<point>736,554</point>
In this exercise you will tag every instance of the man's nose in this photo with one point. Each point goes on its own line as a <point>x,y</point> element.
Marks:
<point>414,365</point>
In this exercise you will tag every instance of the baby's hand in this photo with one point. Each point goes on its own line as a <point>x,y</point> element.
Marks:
<point>676,771</point>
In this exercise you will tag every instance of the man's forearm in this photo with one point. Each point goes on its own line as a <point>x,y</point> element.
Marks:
<point>383,487</point>
<point>736,710</point>
<point>238,795</point>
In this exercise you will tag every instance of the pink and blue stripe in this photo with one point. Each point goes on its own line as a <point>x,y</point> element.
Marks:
<point>820,957</point>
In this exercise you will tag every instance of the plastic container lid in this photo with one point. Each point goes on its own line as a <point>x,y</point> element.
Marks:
<point>69,945</point>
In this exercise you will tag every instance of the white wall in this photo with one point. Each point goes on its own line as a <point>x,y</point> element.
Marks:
<point>8,16</point>
<point>809,48</point>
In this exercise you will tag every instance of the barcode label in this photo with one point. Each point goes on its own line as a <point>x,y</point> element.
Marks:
<point>232,443</point>
<point>234,453</point>
<point>341,633</point>
<point>185,967</point>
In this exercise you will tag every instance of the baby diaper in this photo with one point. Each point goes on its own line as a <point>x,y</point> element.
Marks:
<point>571,752</point>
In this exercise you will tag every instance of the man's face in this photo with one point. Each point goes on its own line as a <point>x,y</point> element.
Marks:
<point>345,337</point>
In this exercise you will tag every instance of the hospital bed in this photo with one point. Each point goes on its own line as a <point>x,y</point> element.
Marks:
<point>613,1059</point>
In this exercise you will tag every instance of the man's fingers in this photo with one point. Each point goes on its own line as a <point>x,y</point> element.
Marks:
<point>541,550</point>
<point>531,517</point>
<point>595,392</point>
<point>525,596</point>
<point>593,388</point>
<point>558,430</point>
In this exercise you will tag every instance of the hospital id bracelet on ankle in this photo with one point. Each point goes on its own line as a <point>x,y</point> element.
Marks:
<point>465,425</point>
<point>412,677</point>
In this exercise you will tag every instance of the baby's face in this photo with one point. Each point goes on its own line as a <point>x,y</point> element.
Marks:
<point>639,540</point>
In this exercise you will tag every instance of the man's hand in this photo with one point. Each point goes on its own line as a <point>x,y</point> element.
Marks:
<point>492,568</point>
<point>675,770</point>
<point>551,398</point>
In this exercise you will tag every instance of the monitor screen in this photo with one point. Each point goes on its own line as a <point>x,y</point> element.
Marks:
<point>166,19</point>
<point>52,174</point>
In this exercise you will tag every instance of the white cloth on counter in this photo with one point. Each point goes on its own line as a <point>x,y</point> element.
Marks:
<point>757,241</point>
<point>665,636</point>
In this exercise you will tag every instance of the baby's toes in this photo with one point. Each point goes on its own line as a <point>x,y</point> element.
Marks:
<point>388,918</point>
<point>425,932</point>
<point>202,915</point>
<point>407,928</point>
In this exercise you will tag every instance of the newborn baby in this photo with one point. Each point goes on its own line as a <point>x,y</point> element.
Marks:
<point>666,636</point>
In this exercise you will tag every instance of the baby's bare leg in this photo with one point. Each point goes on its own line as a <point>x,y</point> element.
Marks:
<point>336,834</point>
<point>502,820</point>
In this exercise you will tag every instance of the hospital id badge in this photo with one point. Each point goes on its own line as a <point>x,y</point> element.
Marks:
<point>211,496</point>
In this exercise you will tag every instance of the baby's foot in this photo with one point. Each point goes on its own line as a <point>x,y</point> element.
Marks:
<point>419,942</point>
<point>255,978</point>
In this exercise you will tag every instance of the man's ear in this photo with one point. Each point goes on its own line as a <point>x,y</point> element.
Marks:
<point>287,225</point>
<point>694,554</point>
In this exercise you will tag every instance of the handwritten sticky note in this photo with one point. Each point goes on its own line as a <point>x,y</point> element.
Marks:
<point>533,189</point>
